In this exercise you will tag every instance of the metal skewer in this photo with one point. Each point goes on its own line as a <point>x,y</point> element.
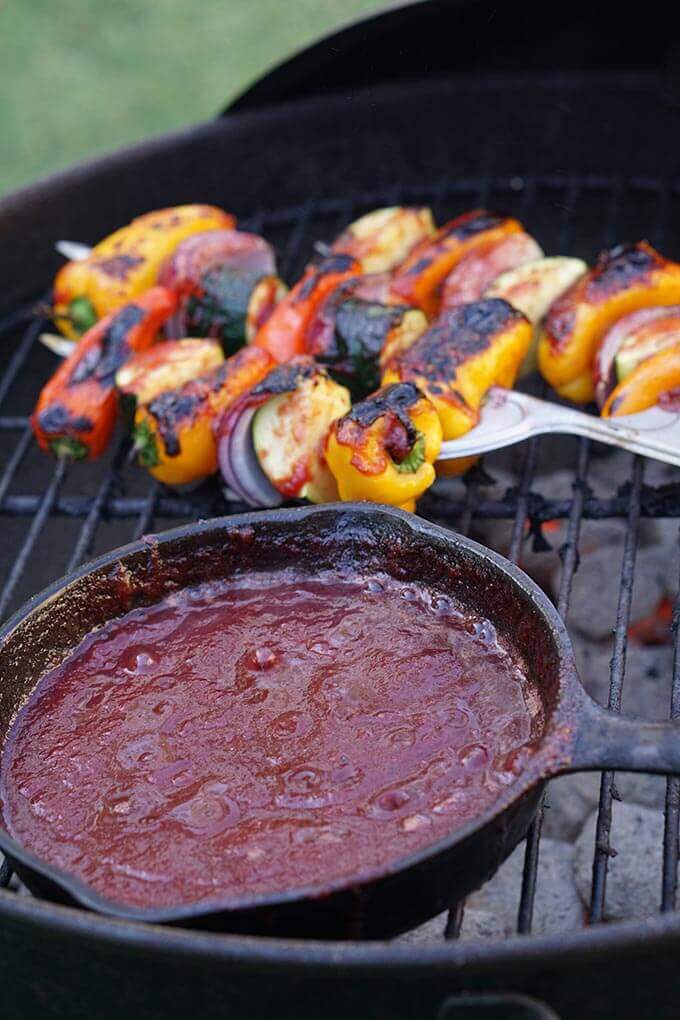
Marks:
<point>73,250</point>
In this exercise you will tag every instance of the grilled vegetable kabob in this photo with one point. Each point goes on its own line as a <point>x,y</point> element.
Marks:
<point>295,436</point>
<point>125,264</point>
<point>76,411</point>
<point>272,442</point>
<point>292,408</point>
<point>362,322</point>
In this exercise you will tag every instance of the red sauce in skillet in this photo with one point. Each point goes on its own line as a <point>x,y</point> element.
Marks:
<point>262,735</point>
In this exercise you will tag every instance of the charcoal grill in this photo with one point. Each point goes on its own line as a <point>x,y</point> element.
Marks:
<point>577,138</point>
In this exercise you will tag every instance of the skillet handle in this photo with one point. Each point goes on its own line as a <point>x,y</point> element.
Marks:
<point>607,740</point>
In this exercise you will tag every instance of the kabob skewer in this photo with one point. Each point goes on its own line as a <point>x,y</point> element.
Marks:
<point>416,324</point>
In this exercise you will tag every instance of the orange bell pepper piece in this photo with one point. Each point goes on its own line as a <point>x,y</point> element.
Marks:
<point>76,411</point>
<point>645,384</point>
<point>419,279</point>
<point>623,280</point>
<point>284,333</point>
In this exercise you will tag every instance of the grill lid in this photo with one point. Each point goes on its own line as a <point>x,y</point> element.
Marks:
<point>452,38</point>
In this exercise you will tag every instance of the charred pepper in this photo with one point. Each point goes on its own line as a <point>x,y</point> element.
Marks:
<point>623,280</point>
<point>384,448</point>
<point>645,384</point>
<point>283,334</point>
<point>173,433</point>
<point>466,351</point>
<point>76,411</point>
<point>420,278</point>
<point>165,366</point>
<point>124,264</point>
<point>374,243</point>
<point>355,325</point>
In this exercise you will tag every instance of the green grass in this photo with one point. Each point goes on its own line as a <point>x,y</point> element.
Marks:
<point>80,77</point>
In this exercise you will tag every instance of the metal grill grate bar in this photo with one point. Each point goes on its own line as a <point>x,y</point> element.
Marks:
<point>147,512</point>
<point>13,464</point>
<point>525,910</point>
<point>616,678</point>
<point>669,879</point>
<point>11,423</point>
<point>86,536</point>
<point>18,359</point>
<point>654,503</point>
<point>36,527</point>
<point>569,556</point>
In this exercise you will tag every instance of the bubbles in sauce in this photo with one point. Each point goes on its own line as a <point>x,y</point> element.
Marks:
<point>228,741</point>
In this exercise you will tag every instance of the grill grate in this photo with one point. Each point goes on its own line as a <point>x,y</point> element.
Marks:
<point>75,511</point>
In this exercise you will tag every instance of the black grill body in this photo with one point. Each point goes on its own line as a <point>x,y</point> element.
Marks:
<point>585,157</point>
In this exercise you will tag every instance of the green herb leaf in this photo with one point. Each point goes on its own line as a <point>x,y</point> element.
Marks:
<point>82,314</point>
<point>145,444</point>
<point>67,447</point>
<point>409,465</point>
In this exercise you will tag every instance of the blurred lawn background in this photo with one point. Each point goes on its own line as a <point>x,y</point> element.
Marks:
<point>80,77</point>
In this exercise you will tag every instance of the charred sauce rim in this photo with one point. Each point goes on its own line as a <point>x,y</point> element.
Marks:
<point>362,595</point>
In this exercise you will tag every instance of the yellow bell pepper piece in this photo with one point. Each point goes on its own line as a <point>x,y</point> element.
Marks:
<point>466,351</point>
<point>384,448</point>
<point>125,263</point>
<point>174,432</point>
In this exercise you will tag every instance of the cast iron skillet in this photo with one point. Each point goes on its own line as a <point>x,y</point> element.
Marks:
<point>575,732</point>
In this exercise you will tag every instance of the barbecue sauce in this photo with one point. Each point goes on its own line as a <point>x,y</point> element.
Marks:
<point>265,734</point>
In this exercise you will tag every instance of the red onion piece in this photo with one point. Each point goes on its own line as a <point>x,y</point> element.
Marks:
<point>203,252</point>
<point>237,458</point>
<point>604,367</point>
<point>478,270</point>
